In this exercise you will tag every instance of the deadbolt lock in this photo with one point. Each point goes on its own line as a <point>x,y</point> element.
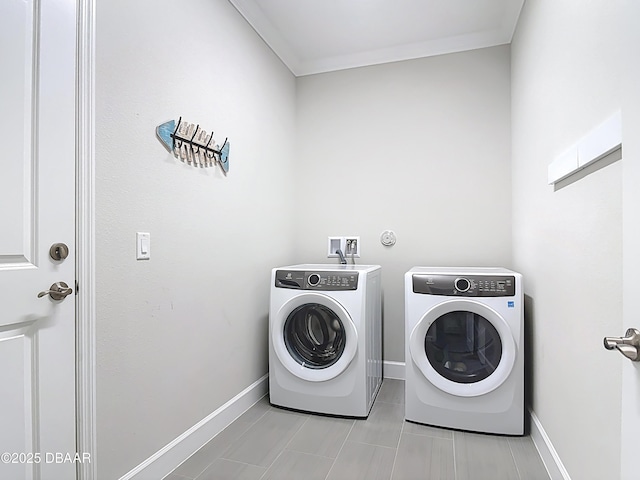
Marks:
<point>59,251</point>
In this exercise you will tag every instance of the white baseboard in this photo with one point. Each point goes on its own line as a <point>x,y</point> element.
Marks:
<point>165,460</point>
<point>548,453</point>
<point>393,370</point>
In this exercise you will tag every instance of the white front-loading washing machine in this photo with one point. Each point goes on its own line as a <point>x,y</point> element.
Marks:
<point>464,350</point>
<point>325,338</point>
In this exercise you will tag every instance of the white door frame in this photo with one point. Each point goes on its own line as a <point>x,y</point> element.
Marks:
<point>85,240</point>
<point>630,72</point>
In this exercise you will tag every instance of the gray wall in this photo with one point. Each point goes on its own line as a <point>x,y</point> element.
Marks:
<point>181,334</point>
<point>420,147</point>
<point>567,242</point>
<point>423,147</point>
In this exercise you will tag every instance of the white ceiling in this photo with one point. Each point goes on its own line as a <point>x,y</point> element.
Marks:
<point>314,36</point>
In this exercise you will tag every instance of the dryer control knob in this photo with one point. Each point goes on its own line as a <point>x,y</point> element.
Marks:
<point>462,284</point>
<point>314,279</point>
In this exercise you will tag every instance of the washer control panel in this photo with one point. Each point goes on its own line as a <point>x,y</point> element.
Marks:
<point>465,285</point>
<point>326,281</point>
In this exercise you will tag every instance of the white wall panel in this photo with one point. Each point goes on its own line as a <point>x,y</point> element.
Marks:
<point>182,333</point>
<point>568,241</point>
<point>418,147</point>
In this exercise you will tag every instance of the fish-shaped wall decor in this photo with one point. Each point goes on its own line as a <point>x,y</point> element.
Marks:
<point>191,144</point>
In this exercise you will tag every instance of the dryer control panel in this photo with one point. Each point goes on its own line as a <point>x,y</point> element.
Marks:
<point>326,281</point>
<point>465,285</point>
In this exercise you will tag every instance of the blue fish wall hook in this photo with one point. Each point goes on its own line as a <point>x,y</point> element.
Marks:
<point>193,145</point>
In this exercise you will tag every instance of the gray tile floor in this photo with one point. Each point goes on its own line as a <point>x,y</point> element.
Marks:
<point>271,443</point>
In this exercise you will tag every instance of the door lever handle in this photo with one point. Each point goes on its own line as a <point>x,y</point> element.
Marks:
<point>629,345</point>
<point>57,291</point>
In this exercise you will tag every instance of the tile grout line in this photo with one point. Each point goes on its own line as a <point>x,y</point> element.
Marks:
<point>250,424</point>
<point>372,444</point>
<point>455,463</point>
<point>436,437</point>
<point>221,456</point>
<point>340,451</point>
<point>178,477</point>
<point>285,447</point>
<point>515,462</point>
<point>395,458</point>
<point>239,463</point>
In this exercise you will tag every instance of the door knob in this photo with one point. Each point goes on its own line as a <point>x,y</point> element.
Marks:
<point>629,345</point>
<point>59,251</point>
<point>57,291</point>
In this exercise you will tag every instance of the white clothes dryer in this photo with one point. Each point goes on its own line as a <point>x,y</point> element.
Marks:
<point>464,349</point>
<point>325,338</point>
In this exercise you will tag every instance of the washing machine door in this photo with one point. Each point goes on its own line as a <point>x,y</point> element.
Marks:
<point>314,337</point>
<point>463,347</point>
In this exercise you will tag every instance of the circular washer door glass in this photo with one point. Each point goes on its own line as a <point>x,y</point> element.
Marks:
<point>463,347</point>
<point>314,336</point>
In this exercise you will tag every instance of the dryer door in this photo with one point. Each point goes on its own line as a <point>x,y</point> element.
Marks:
<point>314,337</point>
<point>463,347</point>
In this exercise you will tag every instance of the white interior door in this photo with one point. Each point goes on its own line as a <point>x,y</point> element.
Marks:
<point>37,210</point>
<point>631,232</point>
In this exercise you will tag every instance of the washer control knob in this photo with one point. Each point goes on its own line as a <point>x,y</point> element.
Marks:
<point>314,279</point>
<point>462,284</point>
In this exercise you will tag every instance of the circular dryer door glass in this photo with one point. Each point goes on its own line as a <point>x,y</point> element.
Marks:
<point>463,347</point>
<point>314,336</point>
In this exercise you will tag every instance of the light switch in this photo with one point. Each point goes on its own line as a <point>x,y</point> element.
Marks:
<point>143,246</point>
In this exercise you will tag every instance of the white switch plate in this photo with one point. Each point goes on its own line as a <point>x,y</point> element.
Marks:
<point>143,246</point>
